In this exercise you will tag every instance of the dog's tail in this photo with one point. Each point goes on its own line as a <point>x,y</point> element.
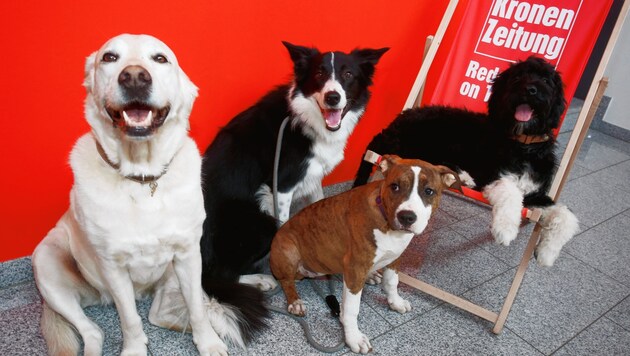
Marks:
<point>236,311</point>
<point>58,333</point>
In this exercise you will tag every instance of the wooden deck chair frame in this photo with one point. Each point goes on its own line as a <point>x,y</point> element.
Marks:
<point>585,117</point>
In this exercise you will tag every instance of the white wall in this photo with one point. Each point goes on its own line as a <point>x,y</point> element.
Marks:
<point>618,72</point>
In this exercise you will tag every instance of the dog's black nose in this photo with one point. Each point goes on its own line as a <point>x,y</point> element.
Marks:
<point>531,89</point>
<point>136,81</point>
<point>332,98</point>
<point>407,217</point>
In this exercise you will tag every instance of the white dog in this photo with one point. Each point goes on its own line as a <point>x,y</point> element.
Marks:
<point>136,207</point>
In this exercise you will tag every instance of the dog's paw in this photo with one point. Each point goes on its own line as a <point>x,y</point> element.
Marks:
<point>374,278</point>
<point>214,349</point>
<point>93,342</point>
<point>545,256</point>
<point>358,342</point>
<point>400,305</point>
<point>504,234</point>
<point>136,348</point>
<point>297,308</point>
<point>264,282</point>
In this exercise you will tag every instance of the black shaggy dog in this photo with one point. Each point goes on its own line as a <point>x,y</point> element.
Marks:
<point>508,153</point>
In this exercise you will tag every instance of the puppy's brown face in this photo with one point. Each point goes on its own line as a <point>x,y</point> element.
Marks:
<point>411,191</point>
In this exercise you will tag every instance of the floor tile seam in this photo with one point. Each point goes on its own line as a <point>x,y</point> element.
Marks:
<point>601,222</point>
<point>375,311</point>
<point>627,297</point>
<point>438,303</point>
<point>579,332</point>
<point>461,295</point>
<point>612,278</point>
<point>420,315</point>
<point>601,169</point>
<point>616,323</point>
<point>593,171</point>
<point>505,327</point>
<point>482,247</point>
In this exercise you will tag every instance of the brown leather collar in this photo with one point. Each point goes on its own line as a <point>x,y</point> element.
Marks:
<point>529,139</point>
<point>142,179</point>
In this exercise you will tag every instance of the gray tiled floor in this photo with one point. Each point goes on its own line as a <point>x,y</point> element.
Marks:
<point>580,306</point>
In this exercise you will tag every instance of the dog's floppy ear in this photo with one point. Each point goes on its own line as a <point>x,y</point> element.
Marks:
<point>367,59</point>
<point>450,178</point>
<point>300,56</point>
<point>387,162</point>
<point>88,79</point>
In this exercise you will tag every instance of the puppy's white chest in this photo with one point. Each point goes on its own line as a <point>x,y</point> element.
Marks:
<point>389,246</point>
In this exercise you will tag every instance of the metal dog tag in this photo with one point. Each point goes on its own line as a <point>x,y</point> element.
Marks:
<point>153,185</point>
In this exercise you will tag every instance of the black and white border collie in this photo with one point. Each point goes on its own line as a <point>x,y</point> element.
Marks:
<point>507,153</point>
<point>324,103</point>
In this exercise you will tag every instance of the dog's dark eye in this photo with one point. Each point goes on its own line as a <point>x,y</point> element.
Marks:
<point>394,187</point>
<point>348,75</point>
<point>110,57</point>
<point>160,58</point>
<point>545,80</point>
<point>319,74</point>
<point>428,192</point>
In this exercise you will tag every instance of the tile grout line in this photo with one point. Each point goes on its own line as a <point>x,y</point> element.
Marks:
<point>594,267</point>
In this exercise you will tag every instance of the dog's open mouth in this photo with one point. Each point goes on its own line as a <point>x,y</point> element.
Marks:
<point>138,119</point>
<point>333,118</point>
<point>523,113</point>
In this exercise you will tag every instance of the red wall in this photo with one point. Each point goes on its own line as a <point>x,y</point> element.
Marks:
<point>230,49</point>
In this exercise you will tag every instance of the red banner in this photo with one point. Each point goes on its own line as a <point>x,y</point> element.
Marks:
<point>494,33</point>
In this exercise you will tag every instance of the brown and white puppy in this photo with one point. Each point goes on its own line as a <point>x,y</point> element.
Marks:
<point>359,232</point>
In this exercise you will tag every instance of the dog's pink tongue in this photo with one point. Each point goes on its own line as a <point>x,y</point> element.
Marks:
<point>135,117</point>
<point>523,113</point>
<point>333,118</point>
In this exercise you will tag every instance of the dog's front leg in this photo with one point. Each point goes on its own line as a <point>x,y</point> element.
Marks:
<point>187,267</point>
<point>507,203</point>
<point>390,286</point>
<point>350,304</point>
<point>284,206</point>
<point>121,288</point>
<point>559,226</point>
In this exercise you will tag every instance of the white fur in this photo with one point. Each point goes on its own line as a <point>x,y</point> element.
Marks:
<point>350,304</point>
<point>466,179</point>
<point>264,195</point>
<point>263,282</point>
<point>414,203</point>
<point>117,242</point>
<point>507,203</point>
<point>328,149</point>
<point>389,246</point>
<point>559,225</point>
<point>506,196</point>
<point>390,286</point>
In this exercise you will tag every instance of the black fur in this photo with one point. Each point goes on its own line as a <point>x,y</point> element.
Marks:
<point>481,144</point>
<point>237,234</point>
